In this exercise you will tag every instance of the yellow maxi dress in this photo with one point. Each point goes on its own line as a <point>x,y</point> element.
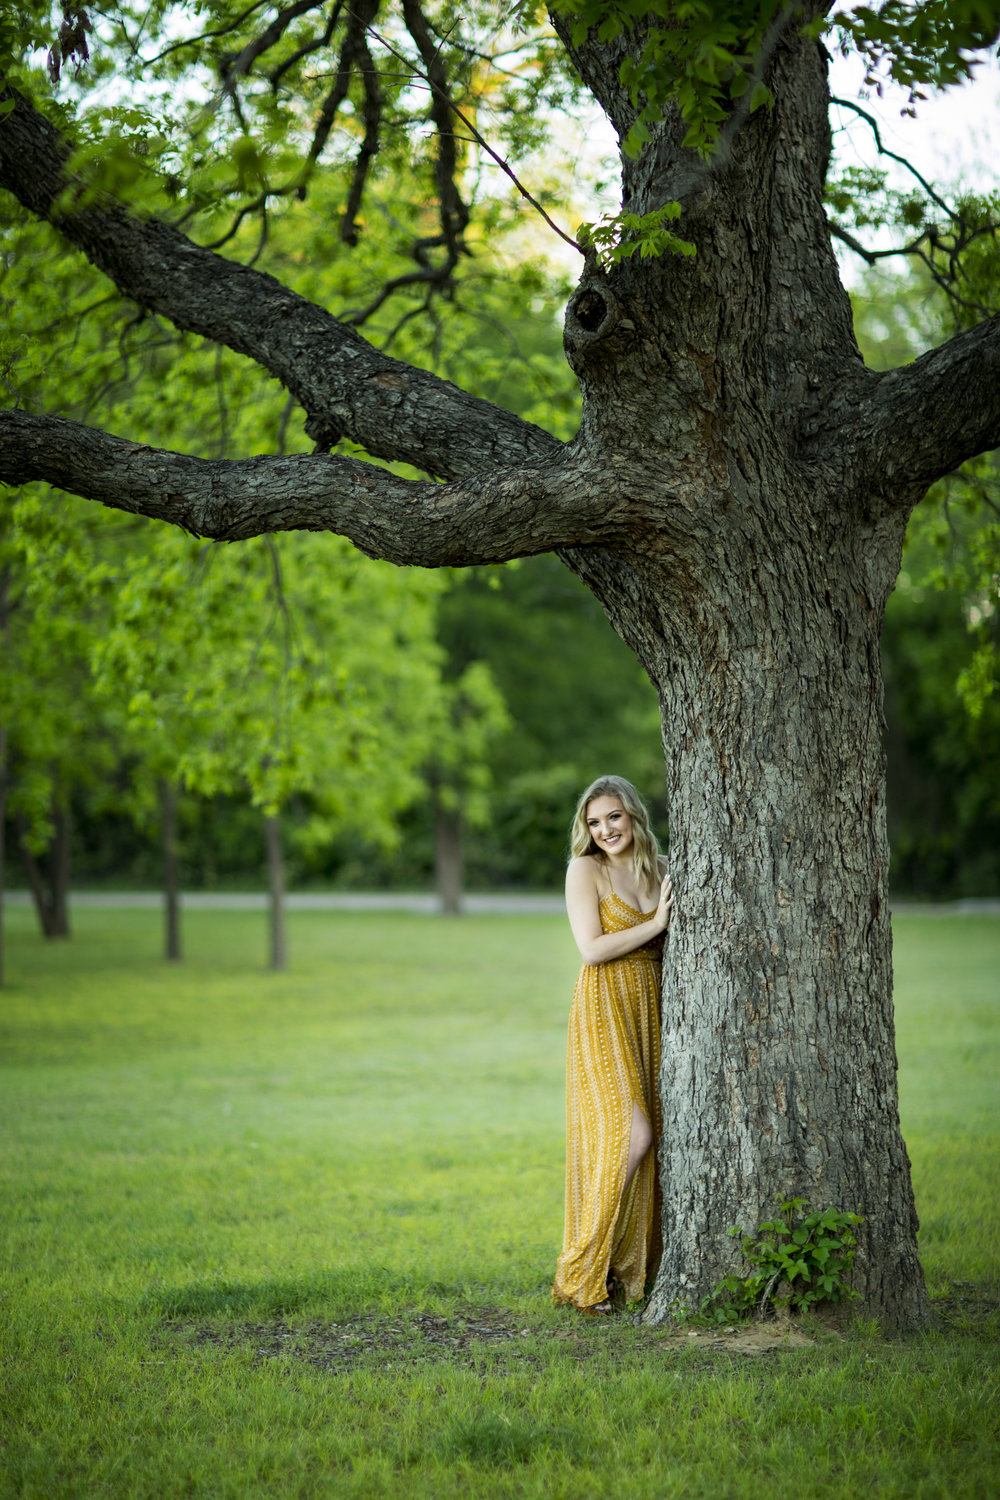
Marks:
<point>612,1061</point>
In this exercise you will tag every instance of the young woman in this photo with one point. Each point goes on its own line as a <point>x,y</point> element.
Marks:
<point>618,896</point>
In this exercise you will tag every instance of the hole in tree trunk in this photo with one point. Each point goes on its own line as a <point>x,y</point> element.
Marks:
<point>590,310</point>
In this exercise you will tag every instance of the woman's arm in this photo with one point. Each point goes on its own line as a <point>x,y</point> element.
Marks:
<point>583,909</point>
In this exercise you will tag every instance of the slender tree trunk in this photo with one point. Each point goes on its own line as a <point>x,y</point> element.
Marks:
<point>3,843</point>
<point>171,872</point>
<point>59,872</point>
<point>35,881</point>
<point>276,892</point>
<point>4,586</point>
<point>448,857</point>
<point>49,889</point>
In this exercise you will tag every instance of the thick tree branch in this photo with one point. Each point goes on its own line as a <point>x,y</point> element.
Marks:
<point>906,428</point>
<point>501,514</point>
<point>346,387</point>
<point>238,64</point>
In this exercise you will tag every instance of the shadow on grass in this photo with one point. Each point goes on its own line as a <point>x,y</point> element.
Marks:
<point>349,1290</point>
<point>499,1441</point>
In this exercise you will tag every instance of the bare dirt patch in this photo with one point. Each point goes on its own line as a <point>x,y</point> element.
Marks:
<point>481,1337</point>
<point>472,1338</point>
<point>770,1337</point>
<point>340,1347</point>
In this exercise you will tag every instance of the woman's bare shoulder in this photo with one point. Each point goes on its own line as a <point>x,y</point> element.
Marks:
<point>583,870</point>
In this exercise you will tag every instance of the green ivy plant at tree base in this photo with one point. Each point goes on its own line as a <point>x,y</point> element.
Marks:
<point>796,1260</point>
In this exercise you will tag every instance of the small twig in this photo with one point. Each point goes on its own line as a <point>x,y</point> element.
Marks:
<point>286,413</point>
<point>483,143</point>
<point>766,1294</point>
<point>15,393</point>
<point>313,45</point>
<point>258,203</point>
<point>409,278</point>
<point>263,236</point>
<point>871,256</point>
<point>400,324</point>
<point>206,36</point>
<point>916,249</point>
<point>280,600</point>
<point>894,156</point>
<point>222,406</point>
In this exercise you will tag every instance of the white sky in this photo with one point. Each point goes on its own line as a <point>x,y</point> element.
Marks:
<point>953,141</point>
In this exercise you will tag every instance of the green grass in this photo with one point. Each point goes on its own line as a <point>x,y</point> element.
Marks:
<point>948,1041</point>
<point>233,1203</point>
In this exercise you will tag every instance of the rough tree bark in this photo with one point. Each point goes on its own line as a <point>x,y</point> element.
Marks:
<point>736,497</point>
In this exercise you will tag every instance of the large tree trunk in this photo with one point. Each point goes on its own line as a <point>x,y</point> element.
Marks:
<point>779,1070</point>
<point>756,607</point>
<point>171,872</point>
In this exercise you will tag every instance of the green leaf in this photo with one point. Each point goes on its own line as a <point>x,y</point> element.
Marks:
<point>761,95</point>
<point>637,138</point>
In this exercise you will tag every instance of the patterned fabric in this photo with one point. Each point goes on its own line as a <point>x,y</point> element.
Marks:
<point>612,1061</point>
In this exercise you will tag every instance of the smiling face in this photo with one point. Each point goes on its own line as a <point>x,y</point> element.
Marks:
<point>610,826</point>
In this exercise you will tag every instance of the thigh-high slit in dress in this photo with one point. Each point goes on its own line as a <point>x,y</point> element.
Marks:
<point>612,1064</point>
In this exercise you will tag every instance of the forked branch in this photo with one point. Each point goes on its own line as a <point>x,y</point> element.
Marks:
<point>495,516</point>
<point>346,387</point>
<point>913,425</point>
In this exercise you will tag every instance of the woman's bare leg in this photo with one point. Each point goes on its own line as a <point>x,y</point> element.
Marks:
<point>639,1142</point>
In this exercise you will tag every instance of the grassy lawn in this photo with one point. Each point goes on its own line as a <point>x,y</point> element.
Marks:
<point>294,1235</point>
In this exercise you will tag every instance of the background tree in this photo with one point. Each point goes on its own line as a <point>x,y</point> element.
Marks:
<point>292,666</point>
<point>941,637</point>
<point>579,702</point>
<point>736,496</point>
<point>472,714</point>
<point>61,739</point>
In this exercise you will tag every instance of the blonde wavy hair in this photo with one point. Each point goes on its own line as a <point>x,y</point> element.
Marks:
<point>645,849</point>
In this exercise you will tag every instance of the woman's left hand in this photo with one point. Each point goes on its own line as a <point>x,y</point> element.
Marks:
<point>665,902</point>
